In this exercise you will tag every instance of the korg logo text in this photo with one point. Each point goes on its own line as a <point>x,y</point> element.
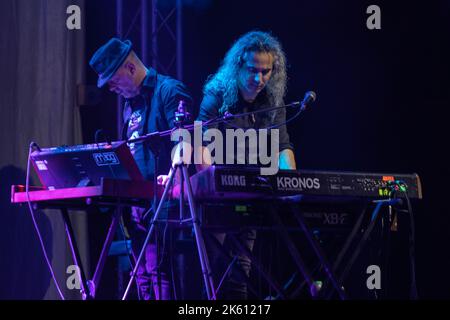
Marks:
<point>106,159</point>
<point>297,183</point>
<point>233,181</point>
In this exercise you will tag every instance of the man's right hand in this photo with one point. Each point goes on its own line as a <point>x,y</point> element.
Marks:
<point>163,179</point>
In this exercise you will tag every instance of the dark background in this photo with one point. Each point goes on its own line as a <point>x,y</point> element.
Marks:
<point>382,100</point>
<point>382,94</point>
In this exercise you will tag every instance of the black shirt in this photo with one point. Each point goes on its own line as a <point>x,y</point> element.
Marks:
<point>153,110</point>
<point>212,102</point>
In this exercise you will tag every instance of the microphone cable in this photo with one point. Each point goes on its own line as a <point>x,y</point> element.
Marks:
<point>310,97</point>
<point>401,186</point>
<point>412,236</point>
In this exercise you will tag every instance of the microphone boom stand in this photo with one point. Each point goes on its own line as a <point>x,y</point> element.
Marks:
<point>186,185</point>
<point>201,248</point>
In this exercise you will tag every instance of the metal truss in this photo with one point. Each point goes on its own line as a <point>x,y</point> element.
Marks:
<point>161,36</point>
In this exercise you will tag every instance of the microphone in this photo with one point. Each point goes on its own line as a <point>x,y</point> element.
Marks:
<point>182,115</point>
<point>309,98</point>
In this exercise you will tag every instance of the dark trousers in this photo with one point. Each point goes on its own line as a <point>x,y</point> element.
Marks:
<point>231,266</point>
<point>152,277</point>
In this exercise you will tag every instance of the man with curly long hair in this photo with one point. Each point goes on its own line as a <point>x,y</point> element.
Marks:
<point>252,76</point>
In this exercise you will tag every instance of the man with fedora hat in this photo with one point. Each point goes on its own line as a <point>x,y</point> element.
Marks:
<point>151,102</point>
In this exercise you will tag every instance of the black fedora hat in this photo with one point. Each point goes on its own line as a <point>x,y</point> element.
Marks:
<point>108,58</point>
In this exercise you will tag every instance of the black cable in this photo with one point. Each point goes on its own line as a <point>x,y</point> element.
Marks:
<point>130,252</point>
<point>224,275</point>
<point>166,225</point>
<point>412,235</point>
<point>224,119</point>
<point>36,227</point>
<point>287,121</point>
<point>172,272</point>
<point>403,187</point>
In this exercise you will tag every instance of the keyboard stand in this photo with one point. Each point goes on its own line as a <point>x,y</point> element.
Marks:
<point>111,193</point>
